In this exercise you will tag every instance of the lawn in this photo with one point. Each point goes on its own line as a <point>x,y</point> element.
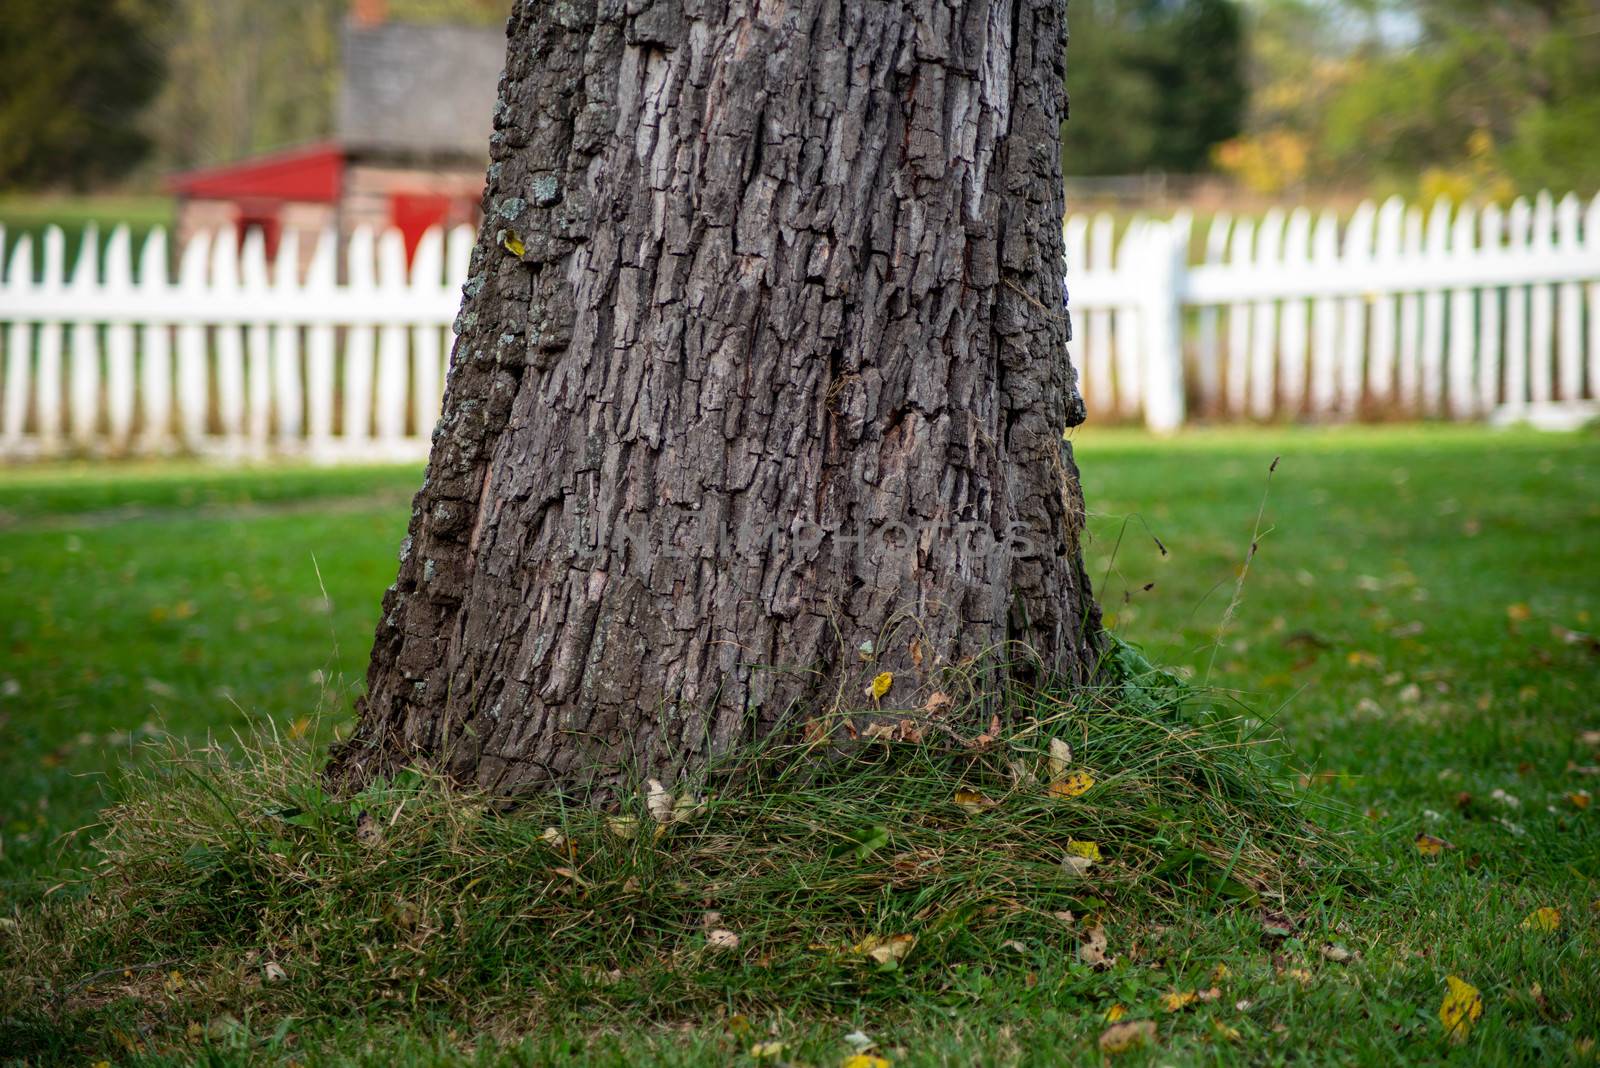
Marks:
<point>1414,623</point>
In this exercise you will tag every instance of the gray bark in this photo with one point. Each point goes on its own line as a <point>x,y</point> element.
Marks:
<point>759,391</point>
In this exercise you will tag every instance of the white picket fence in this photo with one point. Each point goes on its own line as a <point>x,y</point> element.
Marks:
<point>1396,312</point>
<point>233,356</point>
<point>1457,313</point>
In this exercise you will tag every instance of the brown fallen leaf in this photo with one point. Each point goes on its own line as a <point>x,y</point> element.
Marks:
<point>1121,1037</point>
<point>368,833</point>
<point>1092,950</point>
<point>1336,953</point>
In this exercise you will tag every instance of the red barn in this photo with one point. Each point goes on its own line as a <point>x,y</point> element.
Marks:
<point>409,151</point>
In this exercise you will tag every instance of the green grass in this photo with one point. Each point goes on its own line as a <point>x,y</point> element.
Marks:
<point>31,214</point>
<point>1405,626</point>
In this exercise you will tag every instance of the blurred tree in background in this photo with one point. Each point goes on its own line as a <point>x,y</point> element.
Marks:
<point>1470,98</point>
<point>74,77</point>
<point>249,76</point>
<point>1160,83</point>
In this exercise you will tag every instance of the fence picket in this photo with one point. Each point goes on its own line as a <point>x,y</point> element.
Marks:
<point>1381,371</point>
<point>1241,256</point>
<point>253,286</point>
<point>19,350</point>
<point>229,341</point>
<point>1209,365</point>
<point>356,429</point>
<point>320,288</point>
<point>1569,308</point>
<point>427,271</point>
<point>121,388</point>
<point>155,347</point>
<point>1264,327</point>
<point>1541,335</point>
<point>1410,369</point>
<point>393,370</point>
<point>287,405</point>
<point>1458,360</point>
<point>194,377</point>
<point>83,369</point>
<point>1437,250</point>
<point>1489,298</point>
<point>1294,314</point>
<point>1075,250</point>
<point>1519,233</point>
<point>1130,382</point>
<point>1591,240</point>
<point>1328,378</point>
<point>1101,260</point>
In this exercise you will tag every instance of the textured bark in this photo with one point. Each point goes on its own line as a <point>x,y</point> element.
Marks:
<point>759,391</point>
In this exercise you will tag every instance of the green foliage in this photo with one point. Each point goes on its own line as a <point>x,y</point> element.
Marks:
<point>1473,98</point>
<point>74,77</point>
<point>1154,84</point>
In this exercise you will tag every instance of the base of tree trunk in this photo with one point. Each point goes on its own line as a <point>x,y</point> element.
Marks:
<point>756,411</point>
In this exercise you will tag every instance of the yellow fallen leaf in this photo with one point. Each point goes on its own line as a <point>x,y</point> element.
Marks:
<point>885,949</point>
<point>1224,1032</point>
<point>880,684</point>
<point>972,801</point>
<point>1178,1000</point>
<point>1546,919</point>
<point>300,728</point>
<point>1087,850</point>
<point>1300,975</point>
<point>1115,1013</point>
<point>1429,846</point>
<point>1220,973</point>
<point>513,243</point>
<point>1579,799</point>
<point>1460,1009</point>
<point>1518,613</point>
<point>1119,1038</point>
<point>1072,785</point>
<point>765,1050</point>
<point>624,827</point>
<point>865,1060</point>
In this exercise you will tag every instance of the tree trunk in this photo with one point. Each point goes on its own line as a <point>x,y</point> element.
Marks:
<point>759,392</point>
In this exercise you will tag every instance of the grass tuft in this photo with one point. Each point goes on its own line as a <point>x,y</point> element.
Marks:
<point>231,886</point>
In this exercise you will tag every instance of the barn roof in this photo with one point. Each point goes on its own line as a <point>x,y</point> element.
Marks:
<point>422,91</point>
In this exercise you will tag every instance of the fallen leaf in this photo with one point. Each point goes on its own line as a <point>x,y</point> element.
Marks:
<point>1060,758</point>
<point>513,243</point>
<point>973,802</point>
<point>272,972</point>
<point>1460,1009</point>
<point>865,1060</point>
<point>722,938</point>
<point>1579,799</point>
<point>1119,1038</point>
<point>1429,846</point>
<point>1177,1000</point>
<point>1086,850</point>
<point>1545,919</point>
<point>624,827</point>
<point>1073,785</point>
<point>1336,953</point>
<point>885,949</point>
<point>882,732</point>
<point>1300,975</point>
<point>1076,865</point>
<point>1092,950</point>
<point>937,702</point>
<point>658,801</point>
<point>766,1050</point>
<point>1221,973</point>
<point>1518,613</point>
<point>1115,1013</point>
<point>368,833</point>
<point>880,684</point>
<point>1013,944</point>
<point>1225,1032</point>
<point>1065,916</point>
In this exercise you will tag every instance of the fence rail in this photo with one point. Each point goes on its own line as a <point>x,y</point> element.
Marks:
<point>1453,312</point>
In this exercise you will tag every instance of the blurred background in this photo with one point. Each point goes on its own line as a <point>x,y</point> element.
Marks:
<point>1216,101</point>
